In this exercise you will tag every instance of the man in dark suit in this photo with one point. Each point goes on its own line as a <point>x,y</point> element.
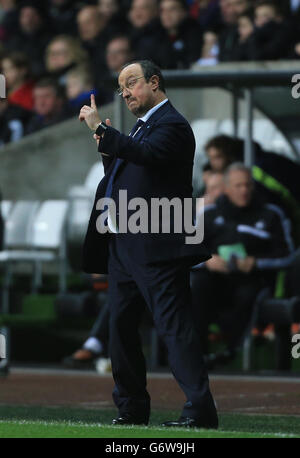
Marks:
<point>154,161</point>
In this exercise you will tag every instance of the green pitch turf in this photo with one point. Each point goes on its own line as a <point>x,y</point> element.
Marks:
<point>66,422</point>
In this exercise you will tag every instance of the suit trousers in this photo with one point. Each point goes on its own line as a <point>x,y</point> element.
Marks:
<point>165,288</point>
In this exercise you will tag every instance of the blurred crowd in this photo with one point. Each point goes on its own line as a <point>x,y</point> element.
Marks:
<point>55,53</point>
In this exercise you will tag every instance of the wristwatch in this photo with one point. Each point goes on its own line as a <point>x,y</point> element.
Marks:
<point>101,129</point>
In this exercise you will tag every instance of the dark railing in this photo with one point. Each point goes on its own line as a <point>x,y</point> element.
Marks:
<point>242,83</point>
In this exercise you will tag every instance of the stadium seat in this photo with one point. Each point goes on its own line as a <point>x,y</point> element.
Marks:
<point>35,236</point>
<point>40,236</point>
<point>279,144</point>
<point>80,206</point>
<point>203,130</point>
<point>18,224</point>
<point>17,232</point>
<point>88,188</point>
<point>226,127</point>
<point>17,237</point>
<point>6,207</point>
<point>49,237</point>
<point>264,132</point>
<point>95,175</point>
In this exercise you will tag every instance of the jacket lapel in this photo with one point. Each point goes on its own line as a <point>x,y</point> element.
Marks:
<point>146,129</point>
<point>154,118</point>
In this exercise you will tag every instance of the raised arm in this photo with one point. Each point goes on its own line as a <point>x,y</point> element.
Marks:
<point>166,144</point>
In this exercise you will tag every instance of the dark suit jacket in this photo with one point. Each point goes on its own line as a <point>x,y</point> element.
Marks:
<point>157,164</point>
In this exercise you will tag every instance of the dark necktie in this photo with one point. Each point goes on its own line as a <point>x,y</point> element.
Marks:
<point>119,161</point>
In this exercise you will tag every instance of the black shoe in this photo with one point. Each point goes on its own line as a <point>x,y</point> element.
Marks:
<point>81,359</point>
<point>127,419</point>
<point>186,422</point>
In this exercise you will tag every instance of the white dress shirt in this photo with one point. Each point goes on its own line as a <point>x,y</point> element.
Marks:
<point>152,110</point>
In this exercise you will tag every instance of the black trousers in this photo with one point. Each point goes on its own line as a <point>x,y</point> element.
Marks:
<point>226,299</point>
<point>166,290</point>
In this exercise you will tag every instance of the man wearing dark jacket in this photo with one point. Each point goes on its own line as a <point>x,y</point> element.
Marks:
<point>178,44</point>
<point>250,241</point>
<point>50,106</point>
<point>272,36</point>
<point>143,18</point>
<point>33,35</point>
<point>155,161</point>
<point>13,122</point>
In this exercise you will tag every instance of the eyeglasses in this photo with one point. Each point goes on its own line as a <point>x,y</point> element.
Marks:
<point>130,85</point>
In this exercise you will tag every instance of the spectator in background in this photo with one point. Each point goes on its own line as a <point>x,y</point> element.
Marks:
<point>242,48</point>
<point>33,35</point>
<point>116,21</point>
<point>108,8</point>
<point>8,19</point>
<point>228,38</point>
<point>210,49</point>
<point>275,176</point>
<point>94,37</point>
<point>50,106</point>
<point>266,11</point>
<point>291,11</point>
<point>19,84</point>
<point>79,87</point>
<point>63,54</point>
<point>79,83</point>
<point>63,16</point>
<point>207,13</point>
<point>277,180</point>
<point>289,7</point>
<point>221,151</point>
<point>231,9</point>
<point>96,345</point>
<point>263,34</point>
<point>272,36</point>
<point>206,173</point>
<point>142,13</point>
<point>214,187</point>
<point>13,122</point>
<point>249,241</point>
<point>91,25</point>
<point>118,53</point>
<point>295,52</point>
<point>179,42</point>
<point>143,18</point>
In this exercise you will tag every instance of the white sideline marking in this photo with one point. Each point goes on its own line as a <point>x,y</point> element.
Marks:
<point>151,428</point>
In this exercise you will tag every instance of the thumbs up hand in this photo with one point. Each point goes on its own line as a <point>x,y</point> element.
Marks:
<point>90,114</point>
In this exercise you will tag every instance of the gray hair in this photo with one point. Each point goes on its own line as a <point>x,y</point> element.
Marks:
<point>149,69</point>
<point>239,166</point>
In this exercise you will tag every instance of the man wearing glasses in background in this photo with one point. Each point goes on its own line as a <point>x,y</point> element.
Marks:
<point>154,160</point>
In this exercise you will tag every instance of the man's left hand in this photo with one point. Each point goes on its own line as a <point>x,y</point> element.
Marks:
<point>90,114</point>
<point>246,265</point>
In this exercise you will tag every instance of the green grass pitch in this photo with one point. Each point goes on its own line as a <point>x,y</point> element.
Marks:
<point>67,422</point>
